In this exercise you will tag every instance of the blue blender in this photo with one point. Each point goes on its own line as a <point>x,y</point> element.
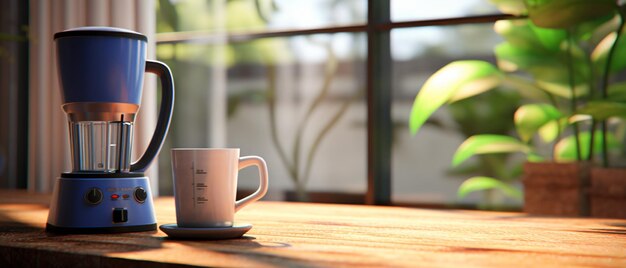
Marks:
<point>101,72</point>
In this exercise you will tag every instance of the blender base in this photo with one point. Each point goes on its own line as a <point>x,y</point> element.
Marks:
<point>83,204</point>
<point>104,230</point>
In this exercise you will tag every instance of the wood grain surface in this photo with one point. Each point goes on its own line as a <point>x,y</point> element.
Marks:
<point>323,235</point>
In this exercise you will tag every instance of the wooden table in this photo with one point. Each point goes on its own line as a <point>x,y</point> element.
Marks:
<point>321,235</point>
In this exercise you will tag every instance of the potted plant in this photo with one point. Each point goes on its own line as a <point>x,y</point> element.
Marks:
<point>608,182</point>
<point>553,60</point>
<point>608,178</point>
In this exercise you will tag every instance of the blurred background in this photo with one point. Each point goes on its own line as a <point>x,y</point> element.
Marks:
<point>294,75</point>
<point>296,83</point>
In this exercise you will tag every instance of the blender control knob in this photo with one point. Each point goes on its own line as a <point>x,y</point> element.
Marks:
<point>93,196</point>
<point>140,194</point>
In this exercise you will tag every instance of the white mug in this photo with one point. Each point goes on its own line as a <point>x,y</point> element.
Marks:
<point>205,185</point>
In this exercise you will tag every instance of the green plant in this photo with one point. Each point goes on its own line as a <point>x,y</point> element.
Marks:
<point>560,60</point>
<point>482,113</point>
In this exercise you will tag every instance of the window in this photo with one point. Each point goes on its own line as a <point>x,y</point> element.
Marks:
<point>302,81</point>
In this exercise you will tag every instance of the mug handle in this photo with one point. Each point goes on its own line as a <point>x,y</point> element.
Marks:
<point>245,162</point>
<point>165,115</point>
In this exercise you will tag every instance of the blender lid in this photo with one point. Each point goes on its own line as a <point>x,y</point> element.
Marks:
<point>100,31</point>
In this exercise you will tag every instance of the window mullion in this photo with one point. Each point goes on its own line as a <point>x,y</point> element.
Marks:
<point>379,127</point>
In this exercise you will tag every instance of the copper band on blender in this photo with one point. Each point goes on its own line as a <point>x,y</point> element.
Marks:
<point>100,111</point>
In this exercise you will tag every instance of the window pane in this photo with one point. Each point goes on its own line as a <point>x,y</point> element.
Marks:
<point>421,164</point>
<point>258,15</point>
<point>405,10</point>
<point>282,93</point>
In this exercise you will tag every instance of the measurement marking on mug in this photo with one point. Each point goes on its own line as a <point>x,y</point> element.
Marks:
<point>193,174</point>
<point>202,200</point>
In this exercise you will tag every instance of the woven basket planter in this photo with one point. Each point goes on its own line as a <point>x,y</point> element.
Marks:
<point>608,192</point>
<point>557,189</point>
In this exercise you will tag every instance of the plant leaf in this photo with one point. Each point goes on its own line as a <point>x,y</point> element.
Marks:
<point>548,68</point>
<point>602,110</point>
<point>539,51</point>
<point>442,86</point>
<point>550,131</point>
<point>564,90</point>
<point>601,51</point>
<point>534,157</point>
<point>525,88</point>
<point>487,144</point>
<point>480,183</point>
<point>530,118</point>
<point>551,39</point>
<point>475,87</point>
<point>513,58</point>
<point>563,14</point>
<point>565,149</point>
<point>523,34</point>
<point>514,7</point>
<point>579,118</point>
<point>617,92</point>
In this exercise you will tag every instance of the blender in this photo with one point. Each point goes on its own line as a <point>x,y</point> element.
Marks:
<point>101,72</point>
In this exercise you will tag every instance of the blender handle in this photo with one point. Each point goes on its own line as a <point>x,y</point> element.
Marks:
<point>165,115</point>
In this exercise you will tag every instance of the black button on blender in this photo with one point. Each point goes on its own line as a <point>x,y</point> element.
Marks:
<point>120,215</point>
<point>140,194</point>
<point>93,196</point>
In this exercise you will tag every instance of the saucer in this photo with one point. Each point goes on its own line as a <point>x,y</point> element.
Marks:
<point>212,233</point>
